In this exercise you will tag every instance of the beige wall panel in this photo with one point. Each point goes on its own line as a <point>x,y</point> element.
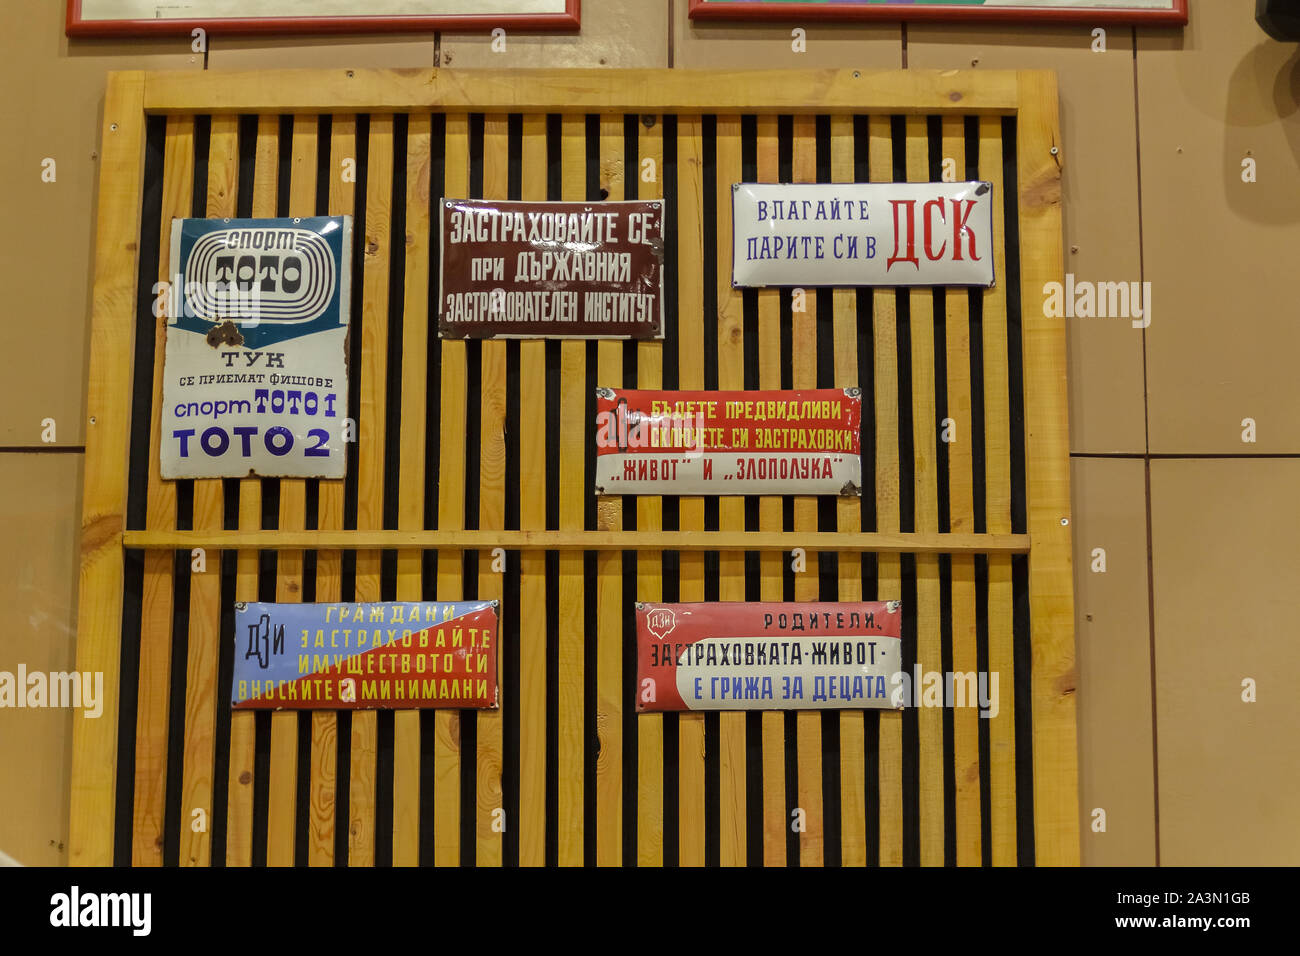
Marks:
<point>1099,150</point>
<point>52,108</point>
<point>1112,635</point>
<point>617,33</point>
<point>1221,345</point>
<point>1224,544</point>
<point>40,504</point>
<point>398,51</point>
<point>756,45</point>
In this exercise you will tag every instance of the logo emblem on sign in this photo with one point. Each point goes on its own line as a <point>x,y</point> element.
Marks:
<point>270,274</point>
<point>661,621</point>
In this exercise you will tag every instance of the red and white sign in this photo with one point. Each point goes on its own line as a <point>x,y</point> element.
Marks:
<point>768,656</point>
<point>805,442</point>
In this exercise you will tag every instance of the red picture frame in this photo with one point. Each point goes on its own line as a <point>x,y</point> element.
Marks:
<point>78,26</point>
<point>715,10</point>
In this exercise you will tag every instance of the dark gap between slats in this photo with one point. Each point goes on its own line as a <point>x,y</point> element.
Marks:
<point>911,764</point>
<point>266,581</point>
<point>355,335</point>
<point>128,705</point>
<point>228,562</point>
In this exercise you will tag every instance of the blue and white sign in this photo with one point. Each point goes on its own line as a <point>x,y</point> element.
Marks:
<point>862,234</point>
<point>255,379</point>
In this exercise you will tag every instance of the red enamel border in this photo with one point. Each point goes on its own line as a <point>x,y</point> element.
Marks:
<point>714,10</point>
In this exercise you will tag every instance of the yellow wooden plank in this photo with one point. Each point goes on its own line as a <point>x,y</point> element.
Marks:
<point>451,515</point>
<point>492,501</point>
<point>205,587</point>
<point>410,495</point>
<point>775,818</point>
<point>848,518</point>
<point>371,420</point>
<point>961,518</point>
<point>889,580</point>
<point>154,692</point>
<point>803,358</point>
<point>609,572</point>
<point>690,373</point>
<point>532,565</point>
<point>649,563</point>
<point>1051,595</point>
<point>582,90</point>
<point>103,507</point>
<point>329,564</point>
<point>731,508</point>
<point>997,497</point>
<point>281,826</point>
<point>571,752</point>
<point>925,439</point>
<point>243,733</point>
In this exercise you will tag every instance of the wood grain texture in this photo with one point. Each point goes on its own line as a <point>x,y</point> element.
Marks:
<point>1047,462</point>
<point>103,505</point>
<point>154,691</point>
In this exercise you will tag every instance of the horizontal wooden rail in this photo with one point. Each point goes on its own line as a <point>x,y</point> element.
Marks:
<point>897,543</point>
<point>585,91</point>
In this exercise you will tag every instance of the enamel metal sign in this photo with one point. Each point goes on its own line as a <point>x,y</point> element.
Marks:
<point>255,379</point>
<point>551,270</point>
<point>365,656</point>
<point>805,442</point>
<point>767,656</point>
<point>862,234</point>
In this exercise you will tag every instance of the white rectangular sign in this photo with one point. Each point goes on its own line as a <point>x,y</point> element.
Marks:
<point>255,379</point>
<point>862,234</point>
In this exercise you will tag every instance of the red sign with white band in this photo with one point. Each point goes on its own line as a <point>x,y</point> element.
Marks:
<point>804,442</point>
<point>768,656</point>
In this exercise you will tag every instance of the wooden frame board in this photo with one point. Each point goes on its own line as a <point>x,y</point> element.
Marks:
<point>682,117</point>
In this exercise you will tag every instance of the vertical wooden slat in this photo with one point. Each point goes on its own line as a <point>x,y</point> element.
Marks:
<point>205,587</point>
<point>154,694</point>
<point>609,571</point>
<point>281,828</point>
<point>243,733</point>
<point>492,502</point>
<point>451,516</point>
<point>926,498</point>
<point>371,432</point>
<point>889,576</point>
<point>770,519</point>
<point>329,564</point>
<point>103,503</point>
<point>1047,462</point>
<point>573,492</point>
<point>731,508</point>
<point>532,564</point>
<point>410,493</point>
<point>803,358</point>
<point>690,369</point>
<point>997,485</point>
<point>961,519</point>
<point>848,518</point>
<point>649,564</point>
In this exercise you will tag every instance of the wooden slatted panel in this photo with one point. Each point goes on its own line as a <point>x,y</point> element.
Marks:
<point>997,484</point>
<point>154,694</point>
<point>889,574</point>
<point>492,503</point>
<point>649,564</point>
<point>732,794</point>
<point>371,420</point>
<point>609,572</point>
<point>205,587</point>
<point>961,518</point>
<point>770,519</point>
<point>690,375</point>
<point>803,361</point>
<point>243,733</point>
<point>573,494</point>
<point>410,493</point>
<point>532,564</point>
<point>848,517</point>
<point>451,516</point>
